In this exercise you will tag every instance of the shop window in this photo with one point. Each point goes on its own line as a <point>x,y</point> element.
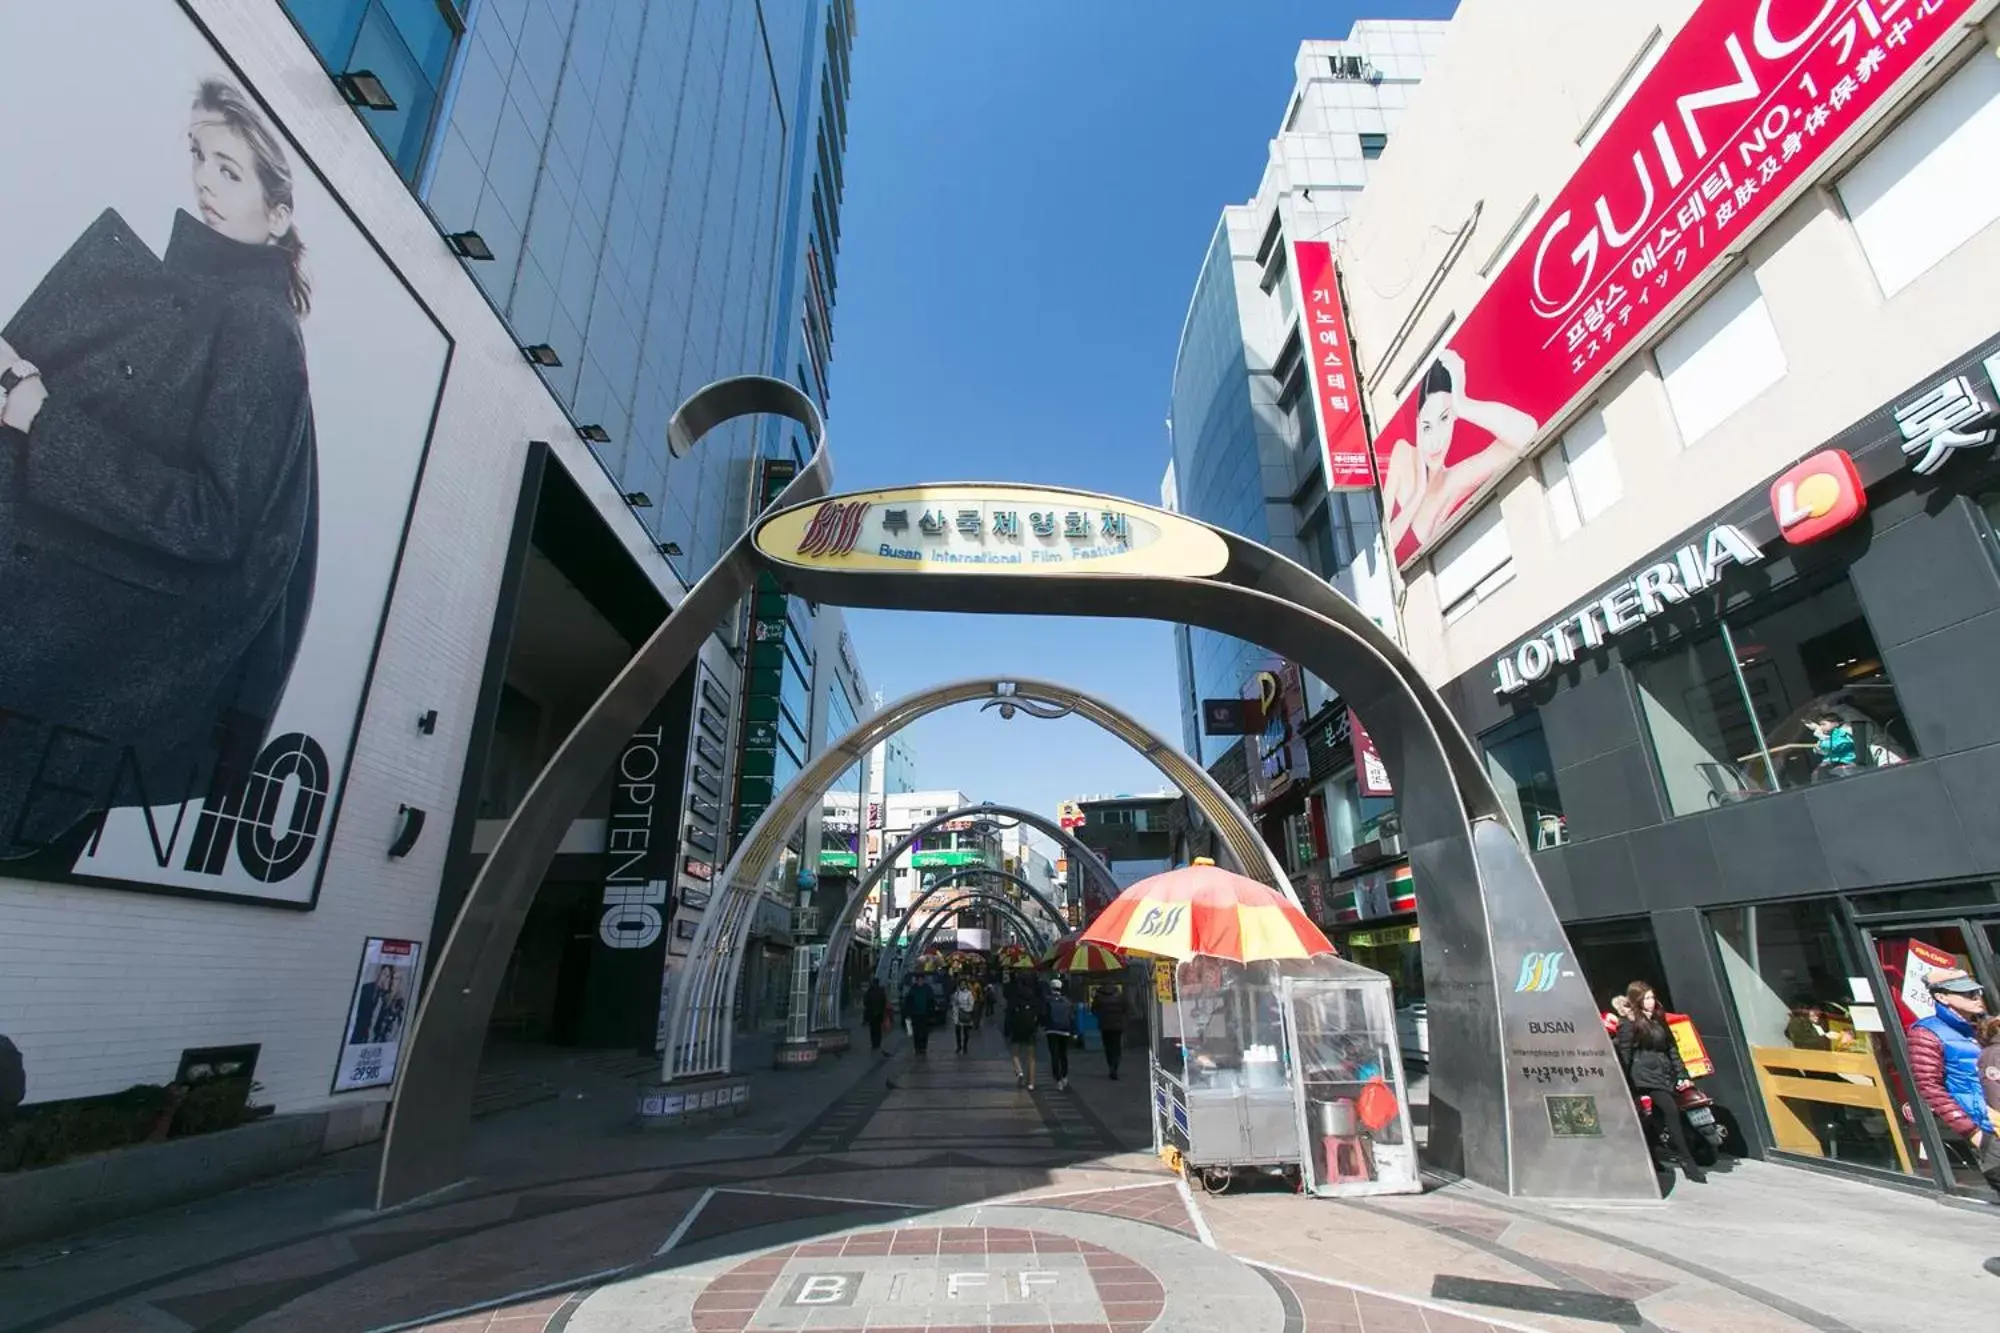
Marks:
<point>1945,149</point>
<point>1820,1054</point>
<point>1473,563</point>
<point>1770,702</point>
<point>1579,475</point>
<point>1517,759</point>
<point>1353,819</point>
<point>1722,356</point>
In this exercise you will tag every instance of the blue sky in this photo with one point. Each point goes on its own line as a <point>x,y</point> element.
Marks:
<point>1030,190</point>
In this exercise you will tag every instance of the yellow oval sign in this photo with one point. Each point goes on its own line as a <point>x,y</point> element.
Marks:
<point>964,528</point>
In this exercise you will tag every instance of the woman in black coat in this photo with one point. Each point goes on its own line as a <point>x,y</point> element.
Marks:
<point>158,497</point>
<point>1653,1066</point>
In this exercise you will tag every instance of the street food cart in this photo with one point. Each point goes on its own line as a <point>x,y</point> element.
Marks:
<point>1290,1066</point>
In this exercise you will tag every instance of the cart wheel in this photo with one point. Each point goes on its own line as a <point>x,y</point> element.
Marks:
<point>1217,1179</point>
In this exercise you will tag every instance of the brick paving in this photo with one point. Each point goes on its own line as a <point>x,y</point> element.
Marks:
<point>934,1195</point>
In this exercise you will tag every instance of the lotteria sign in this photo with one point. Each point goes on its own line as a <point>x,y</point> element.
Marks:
<point>1628,605</point>
<point>977,529</point>
<point>1748,99</point>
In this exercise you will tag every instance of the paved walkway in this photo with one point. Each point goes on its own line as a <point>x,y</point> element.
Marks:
<point>934,1194</point>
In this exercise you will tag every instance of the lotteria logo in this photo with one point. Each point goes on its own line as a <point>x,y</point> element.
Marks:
<point>1818,497</point>
<point>834,528</point>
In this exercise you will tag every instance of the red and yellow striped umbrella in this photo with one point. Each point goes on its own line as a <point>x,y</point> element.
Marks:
<point>1079,955</point>
<point>1204,910</point>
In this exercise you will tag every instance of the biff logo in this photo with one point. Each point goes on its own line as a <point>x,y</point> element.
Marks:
<point>1818,497</point>
<point>1158,922</point>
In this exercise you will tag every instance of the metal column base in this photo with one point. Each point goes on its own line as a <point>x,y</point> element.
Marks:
<point>796,1053</point>
<point>669,1106</point>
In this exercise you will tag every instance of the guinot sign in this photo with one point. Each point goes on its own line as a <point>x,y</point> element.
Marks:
<point>1746,100</point>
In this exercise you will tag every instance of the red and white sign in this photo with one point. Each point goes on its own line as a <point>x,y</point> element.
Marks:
<point>1746,100</point>
<point>1818,497</point>
<point>1329,355</point>
<point>1370,774</point>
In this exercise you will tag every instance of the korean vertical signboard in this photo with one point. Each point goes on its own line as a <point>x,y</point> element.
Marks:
<point>1371,775</point>
<point>1747,99</point>
<point>1329,356</point>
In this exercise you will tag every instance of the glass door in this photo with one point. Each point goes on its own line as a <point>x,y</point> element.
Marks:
<point>1909,957</point>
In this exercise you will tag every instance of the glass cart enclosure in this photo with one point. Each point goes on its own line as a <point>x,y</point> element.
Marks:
<point>1288,1064</point>
<point>1353,1108</point>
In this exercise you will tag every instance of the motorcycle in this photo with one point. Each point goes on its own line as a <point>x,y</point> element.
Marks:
<point>1706,1140</point>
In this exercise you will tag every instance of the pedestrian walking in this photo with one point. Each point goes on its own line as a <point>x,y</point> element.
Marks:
<point>920,1009</point>
<point>1949,1066</point>
<point>875,1012</point>
<point>1061,1024</point>
<point>1113,1012</point>
<point>964,1011</point>
<point>1023,1021</point>
<point>13,1089</point>
<point>1653,1067</point>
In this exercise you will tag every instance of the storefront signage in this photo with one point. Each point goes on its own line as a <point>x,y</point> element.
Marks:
<point>1647,594</point>
<point>1818,497</point>
<point>1226,717</point>
<point>635,889</point>
<point>1747,100</point>
<point>1069,815</point>
<point>1329,359</point>
<point>1386,937</point>
<point>1277,758</point>
<point>1389,891</point>
<point>698,869</point>
<point>839,860</point>
<point>385,991</point>
<point>948,858</point>
<point>971,529</point>
<point>1371,775</point>
<point>1955,413</point>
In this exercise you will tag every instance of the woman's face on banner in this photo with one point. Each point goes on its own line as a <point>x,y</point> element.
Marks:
<point>1435,418</point>
<point>226,188</point>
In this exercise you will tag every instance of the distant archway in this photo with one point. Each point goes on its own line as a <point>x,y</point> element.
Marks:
<point>828,988</point>
<point>896,958</point>
<point>953,885</point>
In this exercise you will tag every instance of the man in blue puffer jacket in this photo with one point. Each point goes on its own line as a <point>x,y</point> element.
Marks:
<point>1944,1061</point>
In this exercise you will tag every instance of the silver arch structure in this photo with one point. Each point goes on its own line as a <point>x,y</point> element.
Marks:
<point>827,989</point>
<point>953,886</point>
<point>920,941</point>
<point>701,1012</point>
<point>1487,918</point>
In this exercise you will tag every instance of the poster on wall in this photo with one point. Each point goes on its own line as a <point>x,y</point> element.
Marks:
<point>1743,103</point>
<point>217,401</point>
<point>385,998</point>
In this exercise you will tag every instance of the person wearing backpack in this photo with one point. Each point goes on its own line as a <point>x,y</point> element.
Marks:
<point>1062,1028</point>
<point>1024,1017</point>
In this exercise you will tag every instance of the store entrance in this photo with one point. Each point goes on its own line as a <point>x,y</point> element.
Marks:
<point>1910,955</point>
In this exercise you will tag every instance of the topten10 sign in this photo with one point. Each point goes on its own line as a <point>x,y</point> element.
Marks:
<point>980,529</point>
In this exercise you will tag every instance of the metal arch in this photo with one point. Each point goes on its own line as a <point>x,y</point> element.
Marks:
<point>920,940</point>
<point>701,1014</point>
<point>826,992</point>
<point>431,1102</point>
<point>948,886</point>
<point>1485,909</point>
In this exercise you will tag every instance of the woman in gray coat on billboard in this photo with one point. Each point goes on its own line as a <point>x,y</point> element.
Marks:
<point>158,497</point>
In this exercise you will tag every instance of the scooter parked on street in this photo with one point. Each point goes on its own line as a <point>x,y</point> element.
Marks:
<point>1705,1133</point>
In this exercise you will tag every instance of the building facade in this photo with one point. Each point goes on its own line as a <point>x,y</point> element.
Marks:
<point>1265,430</point>
<point>1688,463</point>
<point>503,239</point>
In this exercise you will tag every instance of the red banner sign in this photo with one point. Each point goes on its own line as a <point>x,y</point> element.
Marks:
<point>1371,775</point>
<point>1329,355</point>
<point>1747,98</point>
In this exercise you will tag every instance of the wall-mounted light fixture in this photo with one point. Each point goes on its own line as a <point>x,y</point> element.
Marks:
<point>670,548</point>
<point>541,354</point>
<point>468,245</point>
<point>594,434</point>
<point>428,722</point>
<point>412,829</point>
<point>362,88</point>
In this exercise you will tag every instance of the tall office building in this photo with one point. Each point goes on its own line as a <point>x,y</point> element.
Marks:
<point>488,247</point>
<point>1263,420</point>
